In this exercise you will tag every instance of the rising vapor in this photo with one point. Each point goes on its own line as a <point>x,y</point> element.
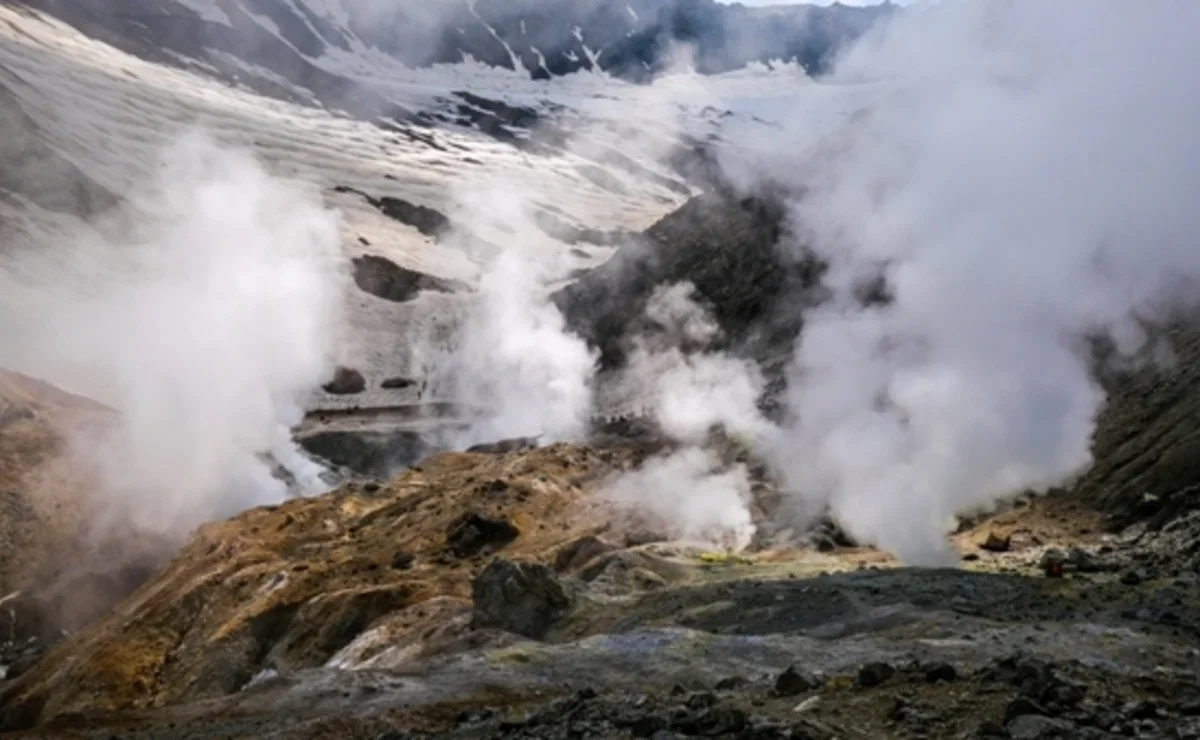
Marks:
<point>203,313</point>
<point>1024,177</point>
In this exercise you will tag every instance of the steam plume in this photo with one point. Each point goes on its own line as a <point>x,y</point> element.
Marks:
<point>204,315</point>
<point>515,361</point>
<point>690,389</point>
<point>1025,175</point>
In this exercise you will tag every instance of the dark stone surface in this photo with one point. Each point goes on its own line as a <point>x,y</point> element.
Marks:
<point>370,453</point>
<point>727,247</point>
<point>385,279</point>
<point>522,598</point>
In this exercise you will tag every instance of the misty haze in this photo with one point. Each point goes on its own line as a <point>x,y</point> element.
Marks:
<point>552,369</point>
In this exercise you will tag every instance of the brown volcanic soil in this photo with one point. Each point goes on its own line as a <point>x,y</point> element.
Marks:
<point>287,587</point>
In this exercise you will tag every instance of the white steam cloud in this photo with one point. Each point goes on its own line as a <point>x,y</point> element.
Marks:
<point>1026,175</point>
<point>689,389</point>
<point>690,392</point>
<point>204,316</point>
<point>692,496</point>
<point>514,361</point>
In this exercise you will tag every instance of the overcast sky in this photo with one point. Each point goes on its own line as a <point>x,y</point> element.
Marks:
<point>806,2</point>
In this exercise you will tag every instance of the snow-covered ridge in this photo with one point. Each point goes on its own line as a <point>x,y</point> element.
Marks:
<point>321,48</point>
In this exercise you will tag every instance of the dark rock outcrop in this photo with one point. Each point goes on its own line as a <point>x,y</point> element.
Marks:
<point>474,534</point>
<point>728,248</point>
<point>370,453</point>
<point>385,279</point>
<point>523,598</point>
<point>346,382</point>
<point>428,221</point>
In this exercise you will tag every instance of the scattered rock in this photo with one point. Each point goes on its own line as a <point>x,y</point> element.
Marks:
<point>1140,710</point>
<point>1130,578</point>
<point>792,682</point>
<point>996,543</point>
<point>1083,561</point>
<point>403,560</point>
<point>580,552</point>
<point>1021,706</point>
<point>523,598</point>
<point>474,535</point>
<point>397,383</point>
<point>1034,727</point>
<point>873,674</point>
<point>1052,563</point>
<point>346,381</point>
<point>808,704</point>
<point>935,672</point>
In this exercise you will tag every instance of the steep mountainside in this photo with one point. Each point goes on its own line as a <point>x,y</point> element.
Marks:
<point>321,47</point>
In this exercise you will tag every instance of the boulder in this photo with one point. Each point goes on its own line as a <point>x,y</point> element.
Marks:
<point>580,552</point>
<point>792,682</point>
<point>996,543</point>
<point>523,598</point>
<point>346,382</point>
<point>475,534</point>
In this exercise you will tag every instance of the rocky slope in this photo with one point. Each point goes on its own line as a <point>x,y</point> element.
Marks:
<point>486,594</point>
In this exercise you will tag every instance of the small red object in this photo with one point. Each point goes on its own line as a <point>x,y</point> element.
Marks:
<point>1054,570</point>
